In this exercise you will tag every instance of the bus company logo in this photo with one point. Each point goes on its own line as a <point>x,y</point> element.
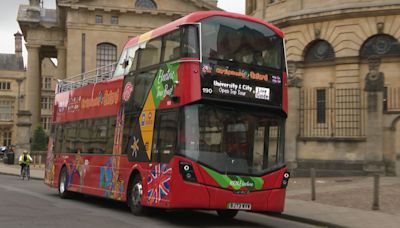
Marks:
<point>127,91</point>
<point>262,93</point>
<point>109,97</point>
<point>228,72</point>
<point>206,69</point>
<point>240,183</point>
<point>259,76</point>
<point>74,104</point>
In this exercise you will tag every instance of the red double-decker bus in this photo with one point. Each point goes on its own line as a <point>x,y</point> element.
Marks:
<point>193,116</point>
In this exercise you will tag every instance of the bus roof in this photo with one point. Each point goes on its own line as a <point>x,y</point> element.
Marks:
<point>192,18</point>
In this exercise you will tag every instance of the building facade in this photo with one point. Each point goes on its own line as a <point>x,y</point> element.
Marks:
<point>12,75</point>
<point>344,82</point>
<point>13,90</point>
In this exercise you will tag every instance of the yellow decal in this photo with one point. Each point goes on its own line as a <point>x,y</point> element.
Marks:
<point>145,37</point>
<point>146,123</point>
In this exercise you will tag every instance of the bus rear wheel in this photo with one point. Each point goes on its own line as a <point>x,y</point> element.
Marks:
<point>135,196</point>
<point>63,183</point>
<point>227,214</point>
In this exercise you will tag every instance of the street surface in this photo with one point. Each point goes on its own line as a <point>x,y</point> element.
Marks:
<point>33,204</point>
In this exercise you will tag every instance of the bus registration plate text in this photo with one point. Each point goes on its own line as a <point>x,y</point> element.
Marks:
<point>239,206</point>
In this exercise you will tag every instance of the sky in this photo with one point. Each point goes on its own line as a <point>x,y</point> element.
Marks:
<point>9,25</point>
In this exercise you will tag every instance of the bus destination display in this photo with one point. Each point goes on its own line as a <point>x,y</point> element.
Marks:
<point>233,83</point>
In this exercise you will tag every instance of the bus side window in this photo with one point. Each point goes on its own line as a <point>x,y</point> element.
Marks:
<point>190,42</point>
<point>151,54</point>
<point>172,46</point>
<point>165,136</point>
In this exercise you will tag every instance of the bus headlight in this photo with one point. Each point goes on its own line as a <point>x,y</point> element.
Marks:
<point>187,172</point>
<point>285,180</point>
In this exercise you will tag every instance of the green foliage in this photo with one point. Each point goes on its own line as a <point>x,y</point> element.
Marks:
<point>39,140</point>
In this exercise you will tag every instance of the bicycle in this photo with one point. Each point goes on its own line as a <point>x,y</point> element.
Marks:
<point>25,172</point>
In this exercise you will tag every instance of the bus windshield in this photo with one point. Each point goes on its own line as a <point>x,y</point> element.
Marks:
<point>232,141</point>
<point>240,41</point>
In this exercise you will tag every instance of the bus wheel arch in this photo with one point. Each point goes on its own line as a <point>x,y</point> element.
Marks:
<point>135,193</point>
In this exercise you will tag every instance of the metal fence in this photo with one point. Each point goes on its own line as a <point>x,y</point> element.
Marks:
<point>94,76</point>
<point>339,114</point>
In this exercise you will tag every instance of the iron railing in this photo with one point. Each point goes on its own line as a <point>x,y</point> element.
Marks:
<point>91,77</point>
<point>344,114</point>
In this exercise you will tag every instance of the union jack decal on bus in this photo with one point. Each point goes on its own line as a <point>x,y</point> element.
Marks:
<point>158,183</point>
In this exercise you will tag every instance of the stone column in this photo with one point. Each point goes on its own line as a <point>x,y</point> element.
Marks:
<point>61,63</point>
<point>23,132</point>
<point>33,82</point>
<point>374,85</point>
<point>293,121</point>
<point>389,150</point>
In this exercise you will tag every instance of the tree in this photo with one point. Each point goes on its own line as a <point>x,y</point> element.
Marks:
<point>39,140</point>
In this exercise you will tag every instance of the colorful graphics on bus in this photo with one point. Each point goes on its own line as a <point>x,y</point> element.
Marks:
<point>158,183</point>
<point>159,94</point>
<point>236,182</point>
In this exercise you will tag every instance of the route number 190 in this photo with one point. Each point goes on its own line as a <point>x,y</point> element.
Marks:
<point>207,90</point>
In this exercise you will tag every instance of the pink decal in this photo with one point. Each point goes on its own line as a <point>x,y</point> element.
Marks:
<point>127,91</point>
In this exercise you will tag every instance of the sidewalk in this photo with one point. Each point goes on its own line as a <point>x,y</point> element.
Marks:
<point>36,173</point>
<point>341,202</point>
<point>345,201</point>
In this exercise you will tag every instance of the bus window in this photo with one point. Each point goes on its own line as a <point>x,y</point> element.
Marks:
<point>241,42</point>
<point>190,47</point>
<point>119,69</point>
<point>141,86</point>
<point>59,138</point>
<point>172,45</point>
<point>165,136</point>
<point>131,59</point>
<point>151,54</point>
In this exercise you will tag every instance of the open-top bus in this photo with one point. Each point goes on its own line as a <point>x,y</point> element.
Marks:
<point>192,116</point>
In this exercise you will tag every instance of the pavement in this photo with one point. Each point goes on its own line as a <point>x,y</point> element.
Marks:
<point>340,202</point>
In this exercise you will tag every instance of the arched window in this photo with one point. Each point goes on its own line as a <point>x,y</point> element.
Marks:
<point>319,50</point>
<point>106,54</point>
<point>380,45</point>
<point>147,4</point>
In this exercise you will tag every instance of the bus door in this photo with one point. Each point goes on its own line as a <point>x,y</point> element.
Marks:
<point>164,147</point>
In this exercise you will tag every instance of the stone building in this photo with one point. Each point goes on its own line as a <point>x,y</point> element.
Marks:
<point>12,75</point>
<point>87,34</point>
<point>344,82</point>
<point>12,94</point>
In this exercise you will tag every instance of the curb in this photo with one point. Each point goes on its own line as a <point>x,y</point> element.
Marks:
<point>17,175</point>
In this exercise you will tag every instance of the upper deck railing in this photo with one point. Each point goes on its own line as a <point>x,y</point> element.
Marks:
<point>91,77</point>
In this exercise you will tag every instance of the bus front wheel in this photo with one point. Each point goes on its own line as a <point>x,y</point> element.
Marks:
<point>227,214</point>
<point>63,183</point>
<point>135,196</point>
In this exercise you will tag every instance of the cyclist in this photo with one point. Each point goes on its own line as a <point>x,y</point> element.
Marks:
<point>24,160</point>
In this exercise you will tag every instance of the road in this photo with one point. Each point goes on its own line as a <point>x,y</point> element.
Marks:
<point>33,204</point>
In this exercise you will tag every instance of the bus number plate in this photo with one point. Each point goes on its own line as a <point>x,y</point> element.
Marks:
<point>239,206</point>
